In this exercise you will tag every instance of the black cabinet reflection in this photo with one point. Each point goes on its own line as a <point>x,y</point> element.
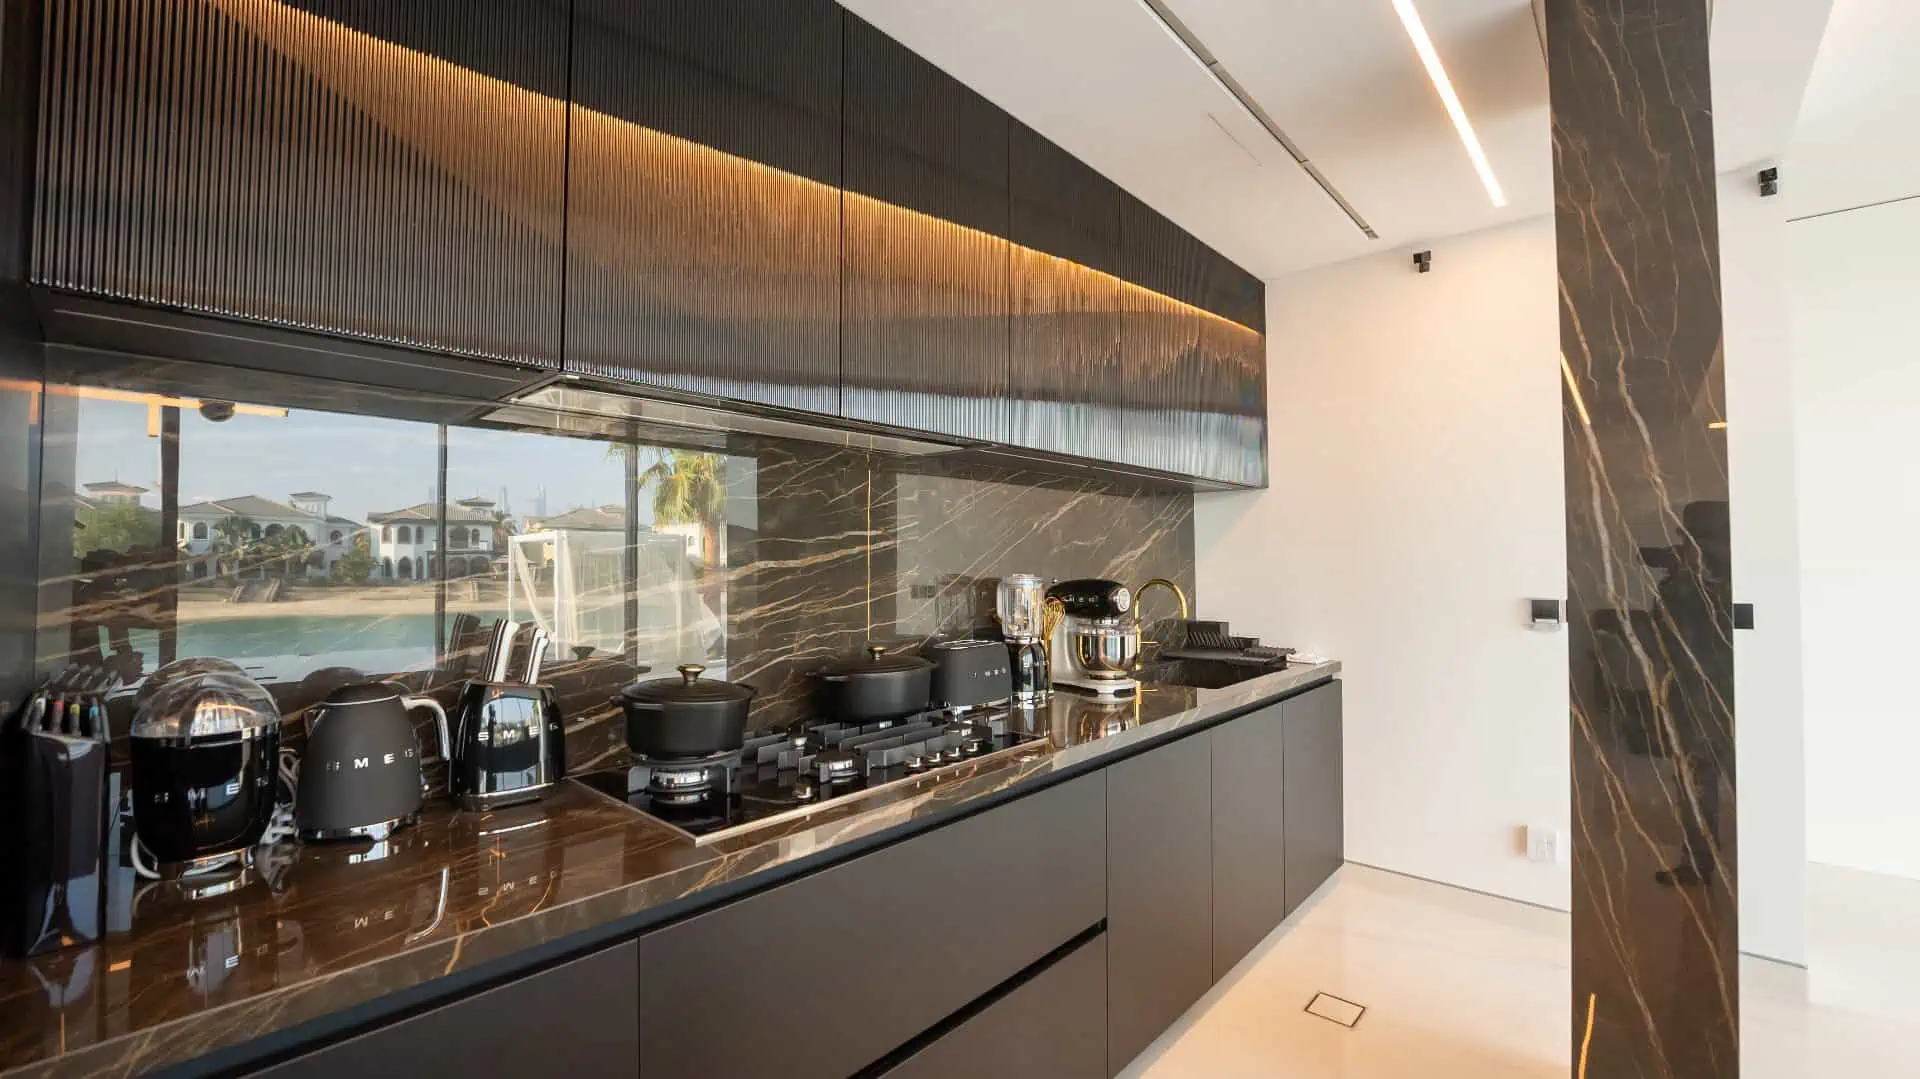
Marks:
<point>703,249</point>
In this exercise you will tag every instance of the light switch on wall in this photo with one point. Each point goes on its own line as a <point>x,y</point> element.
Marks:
<point>1546,844</point>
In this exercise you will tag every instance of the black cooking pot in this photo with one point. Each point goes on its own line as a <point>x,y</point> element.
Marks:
<point>685,717</point>
<point>875,687</point>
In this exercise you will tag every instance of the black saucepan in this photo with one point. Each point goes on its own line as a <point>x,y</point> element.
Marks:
<point>875,687</point>
<point>685,717</point>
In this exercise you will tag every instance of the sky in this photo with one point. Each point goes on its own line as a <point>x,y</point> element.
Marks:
<point>368,464</point>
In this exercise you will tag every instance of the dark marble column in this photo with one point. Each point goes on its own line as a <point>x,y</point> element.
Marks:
<point>1655,944</point>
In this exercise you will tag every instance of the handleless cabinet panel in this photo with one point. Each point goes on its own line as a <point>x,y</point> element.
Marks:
<point>1194,379</point>
<point>389,171</point>
<point>703,242</point>
<point>1064,378</point>
<point>926,287</point>
<point>1159,892</point>
<point>1314,791</point>
<point>1052,1026</point>
<point>578,1019</point>
<point>826,975</point>
<point>1249,839</point>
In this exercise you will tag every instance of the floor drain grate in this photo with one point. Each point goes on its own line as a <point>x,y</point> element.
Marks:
<point>1335,1009</point>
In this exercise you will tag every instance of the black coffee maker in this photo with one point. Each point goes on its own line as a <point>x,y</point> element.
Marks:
<point>205,745</point>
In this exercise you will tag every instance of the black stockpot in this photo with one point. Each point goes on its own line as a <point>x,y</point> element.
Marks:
<point>875,687</point>
<point>685,717</point>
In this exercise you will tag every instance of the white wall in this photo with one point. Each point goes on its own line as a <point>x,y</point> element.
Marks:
<point>1855,289</point>
<point>1416,503</point>
<point>1418,499</point>
<point>1769,701</point>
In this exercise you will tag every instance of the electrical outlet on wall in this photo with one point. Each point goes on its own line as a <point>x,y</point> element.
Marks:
<point>1546,844</point>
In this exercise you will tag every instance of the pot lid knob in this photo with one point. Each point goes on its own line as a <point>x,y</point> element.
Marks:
<point>875,651</point>
<point>690,671</point>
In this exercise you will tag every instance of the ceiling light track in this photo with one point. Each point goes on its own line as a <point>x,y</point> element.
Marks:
<point>1195,48</point>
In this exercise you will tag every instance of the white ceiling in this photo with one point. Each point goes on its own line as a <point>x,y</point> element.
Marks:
<point>1104,79</point>
<point>1855,143</point>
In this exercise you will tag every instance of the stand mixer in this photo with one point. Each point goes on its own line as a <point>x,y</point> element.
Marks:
<point>1097,641</point>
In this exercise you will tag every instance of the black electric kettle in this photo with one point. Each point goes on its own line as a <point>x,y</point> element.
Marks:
<point>360,773</point>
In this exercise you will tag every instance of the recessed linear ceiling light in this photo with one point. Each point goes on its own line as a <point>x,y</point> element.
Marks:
<point>1196,50</point>
<point>1423,45</point>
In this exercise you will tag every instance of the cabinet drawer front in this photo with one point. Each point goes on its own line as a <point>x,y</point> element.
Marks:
<point>1160,897</point>
<point>576,1020</point>
<point>1053,1026</point>
<point>825,975</point>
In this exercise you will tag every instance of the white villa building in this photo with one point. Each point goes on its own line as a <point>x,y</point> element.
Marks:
<point>198,531</point>
<point>404,541</point>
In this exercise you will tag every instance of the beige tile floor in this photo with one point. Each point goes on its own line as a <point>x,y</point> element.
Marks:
<point>1464,986</point>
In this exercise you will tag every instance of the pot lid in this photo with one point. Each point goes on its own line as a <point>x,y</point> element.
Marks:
<point>689,688</point>
<point>877,661</point>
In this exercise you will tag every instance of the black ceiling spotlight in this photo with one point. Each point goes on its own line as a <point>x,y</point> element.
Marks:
<point>1423,261</point>
<point>1769,183</point>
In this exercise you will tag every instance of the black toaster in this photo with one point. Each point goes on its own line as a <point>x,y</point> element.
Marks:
<point>970,674</point>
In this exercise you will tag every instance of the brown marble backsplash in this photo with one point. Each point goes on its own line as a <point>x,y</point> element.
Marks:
<point>165,534</point>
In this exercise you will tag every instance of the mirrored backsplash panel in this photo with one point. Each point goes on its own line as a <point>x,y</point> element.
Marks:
<point>319,533</point>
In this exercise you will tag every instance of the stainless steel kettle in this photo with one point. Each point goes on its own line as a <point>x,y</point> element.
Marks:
<point>360,774</point>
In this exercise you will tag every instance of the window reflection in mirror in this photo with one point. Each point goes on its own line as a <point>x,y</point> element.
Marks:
<point>316,546</point>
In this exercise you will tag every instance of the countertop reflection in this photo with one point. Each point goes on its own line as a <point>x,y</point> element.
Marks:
<point>310,930</point>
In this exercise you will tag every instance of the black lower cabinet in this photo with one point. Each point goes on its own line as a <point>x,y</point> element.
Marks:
<point>1052,1026</point>
<point>828,974</point>
<point>1314,793</point>
<point>576,1019</point>
<point>1159,892</point>
<point>1249,844</point>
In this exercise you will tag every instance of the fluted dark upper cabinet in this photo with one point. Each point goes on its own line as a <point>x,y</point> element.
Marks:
<point>926,289</point>
<point>1064,375</point>
<point>703,248</point>
<point>1192,354</point>
<point>385,169</point>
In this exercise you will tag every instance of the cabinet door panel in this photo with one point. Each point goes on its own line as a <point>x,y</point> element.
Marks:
<point>1065,239</point>
<point>578,1019</point>
<point>1314,791</point>
<point>1194,380</point>
<point>1159,892</point>
<point>1249,839</point>
<point>827,974</point>
<point>1052,1027</point>
<point>926,301</point>
<point>703,245</point>
<point>390,171</point>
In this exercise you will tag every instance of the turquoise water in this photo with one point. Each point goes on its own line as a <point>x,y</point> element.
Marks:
<point>306,635</point>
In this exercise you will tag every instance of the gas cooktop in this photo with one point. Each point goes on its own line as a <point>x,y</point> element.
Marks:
<point>783,775</point>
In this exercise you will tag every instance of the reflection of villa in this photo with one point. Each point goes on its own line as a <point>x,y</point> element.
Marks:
<point>199,531</point>
<point>111,492</point>
<point>404,540</point>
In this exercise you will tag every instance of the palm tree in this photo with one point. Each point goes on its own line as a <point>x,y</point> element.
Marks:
<point>690,488</point>
<point>233,538</point>
<point>292,550</point>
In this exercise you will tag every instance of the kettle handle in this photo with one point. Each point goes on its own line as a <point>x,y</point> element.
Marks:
<point>440,722</point>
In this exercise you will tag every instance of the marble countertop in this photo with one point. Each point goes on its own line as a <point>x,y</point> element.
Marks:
<point>318,929</point>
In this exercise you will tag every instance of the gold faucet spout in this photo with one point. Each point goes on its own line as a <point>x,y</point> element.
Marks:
<point>1179,594</point>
